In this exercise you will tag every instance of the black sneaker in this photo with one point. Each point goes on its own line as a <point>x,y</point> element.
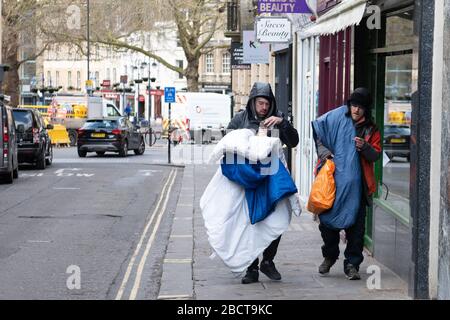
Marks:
<point>351,272</point>
<point>326,265</point>
<point>268,268</point>
<point>250,277</point>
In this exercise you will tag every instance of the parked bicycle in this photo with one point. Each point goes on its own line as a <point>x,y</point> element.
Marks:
<point>150,136</point>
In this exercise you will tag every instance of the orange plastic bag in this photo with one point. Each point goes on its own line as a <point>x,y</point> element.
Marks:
<point>323,191</point>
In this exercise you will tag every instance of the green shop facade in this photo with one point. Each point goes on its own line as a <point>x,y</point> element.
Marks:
<point>394,60</point>
<point>392,55</point>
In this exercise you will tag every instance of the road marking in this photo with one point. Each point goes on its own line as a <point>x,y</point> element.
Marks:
<point>186,218</point>
<point>177,260</point>
<point>66,189</point>
<point>23,175</point>
<point>137,281</point>
<point>149,173</point>
<point>174,296</point>
<point>39,241</point>
<point>138,247</point>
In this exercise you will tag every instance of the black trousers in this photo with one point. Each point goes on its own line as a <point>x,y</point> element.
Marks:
<point>268,254</point>
<point>355,240</point>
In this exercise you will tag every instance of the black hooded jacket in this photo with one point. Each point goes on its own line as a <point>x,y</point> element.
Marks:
<point>249,120</point>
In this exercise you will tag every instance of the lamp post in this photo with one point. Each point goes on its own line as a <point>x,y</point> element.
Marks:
<point>88,45</point>
<point>138,81</point>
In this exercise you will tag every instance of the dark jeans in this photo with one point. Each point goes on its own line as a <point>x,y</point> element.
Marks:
<point>355,240</point>
<point>268,254</point>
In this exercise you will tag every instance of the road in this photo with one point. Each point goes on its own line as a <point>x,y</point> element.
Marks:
<point>93,228</point>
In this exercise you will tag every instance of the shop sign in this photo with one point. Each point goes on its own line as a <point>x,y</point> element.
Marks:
<point>255,52</point>
<point>237,57</point>
<point>273,30</point>
<point>283,6</point>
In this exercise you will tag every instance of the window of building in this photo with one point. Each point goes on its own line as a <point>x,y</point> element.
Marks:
<point>209,63</point>
<point>394,112</point>
<point>57,79</point>
<point>49,78</point>
<point>108,74</point>
<point>178,40</point>
<point>78,80</point>
<point>114,75</point>
<point>69,79</point>
<point>97,78</point>
<point>226,62</point>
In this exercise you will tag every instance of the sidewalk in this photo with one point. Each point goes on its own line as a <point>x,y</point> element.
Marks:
<point>189,273</point>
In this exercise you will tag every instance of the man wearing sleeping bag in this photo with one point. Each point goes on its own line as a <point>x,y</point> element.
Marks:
<point>349,136</point>
<point>262,108</point>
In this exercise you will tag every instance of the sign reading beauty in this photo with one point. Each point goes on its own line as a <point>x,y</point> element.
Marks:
<point>283,6</point>
<point>273,30</point>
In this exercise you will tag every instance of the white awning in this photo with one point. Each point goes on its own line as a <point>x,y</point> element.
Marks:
<point>344,15</point>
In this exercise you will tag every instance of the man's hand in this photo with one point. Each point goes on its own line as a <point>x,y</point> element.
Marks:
<point>272,121</point>
<point>360,143</point>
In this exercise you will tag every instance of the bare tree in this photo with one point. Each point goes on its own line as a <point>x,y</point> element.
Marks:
<point>20,30</point>
<point>123,25</point>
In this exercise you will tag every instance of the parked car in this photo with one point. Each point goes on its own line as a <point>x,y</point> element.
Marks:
<point>33,140</point>
<point>397,141</point>
<point>9,163</point>
<point>113,134</point>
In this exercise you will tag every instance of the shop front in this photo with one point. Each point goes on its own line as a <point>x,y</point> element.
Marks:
<point>386,63</point>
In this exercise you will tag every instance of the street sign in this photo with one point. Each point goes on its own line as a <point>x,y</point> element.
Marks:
<point>254,51</point>
<point>237,56</point>
<point>124,79</point>
<point>169,94</point>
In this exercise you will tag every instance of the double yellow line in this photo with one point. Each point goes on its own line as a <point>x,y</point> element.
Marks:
<point>159,211</point>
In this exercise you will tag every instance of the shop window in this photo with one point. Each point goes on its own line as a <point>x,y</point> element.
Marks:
<point>398,88</point>
<point>397,131</point>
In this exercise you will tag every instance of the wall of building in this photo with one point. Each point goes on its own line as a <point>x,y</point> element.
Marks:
<point>243,81</point>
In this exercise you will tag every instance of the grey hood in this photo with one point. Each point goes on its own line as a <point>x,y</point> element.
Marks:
<point>261,89</point>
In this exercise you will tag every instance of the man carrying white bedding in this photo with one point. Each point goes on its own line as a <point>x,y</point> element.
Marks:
<point>262,107</point>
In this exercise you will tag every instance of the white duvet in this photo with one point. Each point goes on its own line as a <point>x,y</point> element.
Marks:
<point>224,207</point>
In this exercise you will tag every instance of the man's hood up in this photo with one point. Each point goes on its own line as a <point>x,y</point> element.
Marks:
<point>264,90</point>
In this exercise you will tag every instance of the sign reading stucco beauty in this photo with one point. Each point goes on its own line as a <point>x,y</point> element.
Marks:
<point>273,30</point>
<point>283,6</point>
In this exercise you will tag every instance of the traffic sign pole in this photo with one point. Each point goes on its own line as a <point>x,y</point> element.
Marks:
<point>170,132</point>
<point>169,97</point>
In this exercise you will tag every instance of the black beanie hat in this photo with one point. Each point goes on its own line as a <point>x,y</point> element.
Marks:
<point>361,97</point>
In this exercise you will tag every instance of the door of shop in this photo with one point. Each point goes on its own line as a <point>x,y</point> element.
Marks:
<point>306,104</point>
<point>335,70</point>
<point>283,89</point>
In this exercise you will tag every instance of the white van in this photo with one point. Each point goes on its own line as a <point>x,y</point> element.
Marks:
<point>200,112</point>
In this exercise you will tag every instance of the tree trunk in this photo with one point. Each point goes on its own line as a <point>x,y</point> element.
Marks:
<point>11,83</point>
<point>192,75</point>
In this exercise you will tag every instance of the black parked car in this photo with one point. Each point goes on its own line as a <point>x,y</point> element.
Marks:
<point>9,163</point>
<point>114,134</point>
<point>397,141</point>
<point>34,143</point>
